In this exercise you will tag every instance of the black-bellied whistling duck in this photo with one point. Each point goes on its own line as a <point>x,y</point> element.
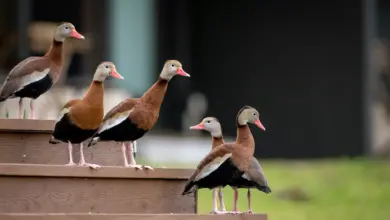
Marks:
<point>229,160</point>
<point>132,118</point>
<point>81,118</point>
<point>253,178</point>
<point>213,126</point>
<point>35,75</point>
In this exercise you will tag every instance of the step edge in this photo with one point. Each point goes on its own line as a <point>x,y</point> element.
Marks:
<point>62,171</point>
<point>84,216</point>
<point>26,126</point>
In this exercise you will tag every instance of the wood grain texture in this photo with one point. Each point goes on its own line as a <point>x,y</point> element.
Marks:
<point>34,170</point>
<point>130,217</point>
<point>44,189</point>
<point>34,148</point>
<point>26,125</point>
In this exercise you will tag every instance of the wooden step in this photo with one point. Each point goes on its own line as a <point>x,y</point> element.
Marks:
<point>31,188</point>
<point>27,141</point>
<point>131,217</point>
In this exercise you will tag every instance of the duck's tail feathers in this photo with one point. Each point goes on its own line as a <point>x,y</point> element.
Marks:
<point>265,189</point>
<point>94,140</point>
<point>53,140</point>
<point>189,188</point>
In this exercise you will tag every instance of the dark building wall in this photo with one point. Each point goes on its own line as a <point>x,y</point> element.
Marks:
<point>47,10</point>
<point>90,17</point>
<point>299,64</point>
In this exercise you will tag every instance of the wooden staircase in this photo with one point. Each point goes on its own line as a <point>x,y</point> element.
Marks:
<point>35,185</point>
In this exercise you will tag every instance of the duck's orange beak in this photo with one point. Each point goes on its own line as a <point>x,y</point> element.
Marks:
<point>258,124</point>
<point>181,72</point>
<point>115,74</point>
<point>199,126</point>
<point>76,34</point>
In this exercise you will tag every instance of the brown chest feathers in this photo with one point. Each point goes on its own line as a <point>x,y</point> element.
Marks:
<point>244,148</point>
<point>55,52</point>
<point>55,55</point>
<point>147,110</point>
<point>88,112</point>
<point>216,141</point>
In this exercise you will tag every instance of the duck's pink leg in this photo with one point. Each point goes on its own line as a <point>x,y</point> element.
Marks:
<point>132,163</point>
<point>70,150</point>
<point>130,148</point>
<point>215,204</point>
<point>235,210</point>
<point>125,163</point>
<point>32,114</point>
<point>82,159</point>
<point>221,202</point>
<point>235,200</point>
<point>248,195</point>
<point>21,108</point>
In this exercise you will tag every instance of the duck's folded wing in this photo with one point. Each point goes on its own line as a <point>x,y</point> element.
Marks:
<point>65,110</point>
<point>24,73</point>
<point>118,114</point>
<point>256,173</point>
<point>26,67</point>
<point>212,161</point>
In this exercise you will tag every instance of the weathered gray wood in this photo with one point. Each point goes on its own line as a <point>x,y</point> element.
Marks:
<point>28,188</point>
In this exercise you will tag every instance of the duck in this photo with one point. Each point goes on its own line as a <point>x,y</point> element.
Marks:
<point>80,119</point>
<point>35,75</point>
<point>212,125</point>
<point>134,117</point>
<point>227,161</point>
<point>253,178</point>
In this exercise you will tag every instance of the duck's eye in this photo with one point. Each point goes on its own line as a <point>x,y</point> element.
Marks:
<point>208,121</point>
<point>172,65</point>
<point>66,28</point>
<point>254,113</point>
<point>106,67</point>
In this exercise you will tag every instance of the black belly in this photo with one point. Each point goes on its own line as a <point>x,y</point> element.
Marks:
<point>35,89</point>
<point>125,131</point>
<point>241,182</point>
<point>65,131</point>
<point>219,177</point>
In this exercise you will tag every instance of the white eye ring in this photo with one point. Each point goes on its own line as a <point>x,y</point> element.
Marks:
<point>172,65</point>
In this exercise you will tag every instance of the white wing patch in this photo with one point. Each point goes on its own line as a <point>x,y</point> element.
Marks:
<point>114,121</point>
<point>33,77</point>
<point>62,113</point>
<point>212,166</point>
<point>245,176</point>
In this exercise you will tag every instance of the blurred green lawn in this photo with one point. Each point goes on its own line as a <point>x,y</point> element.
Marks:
<point>342,189</point>
<point>345,189</point>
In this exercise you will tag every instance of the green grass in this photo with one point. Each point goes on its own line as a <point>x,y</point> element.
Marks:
<point>337,189</point>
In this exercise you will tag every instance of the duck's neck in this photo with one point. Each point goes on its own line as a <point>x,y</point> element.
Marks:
<point>95,94</point>
<point>155,95</point>
<point>55,52</point>
<point>216,141</point>
<point>244,136</point>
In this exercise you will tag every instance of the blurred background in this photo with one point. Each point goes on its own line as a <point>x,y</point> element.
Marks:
<point>318,72</point>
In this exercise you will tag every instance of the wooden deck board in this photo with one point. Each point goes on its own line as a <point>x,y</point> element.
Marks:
<point>31,188</point>
<point>130,217</point>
